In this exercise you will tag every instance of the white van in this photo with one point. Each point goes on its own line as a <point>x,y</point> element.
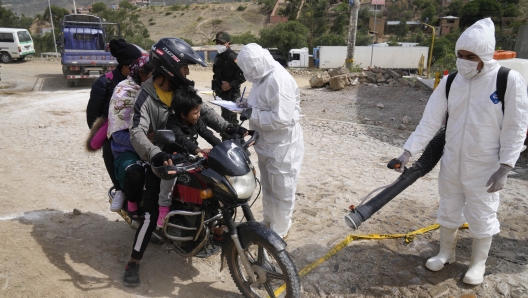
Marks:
<point>15,43</point>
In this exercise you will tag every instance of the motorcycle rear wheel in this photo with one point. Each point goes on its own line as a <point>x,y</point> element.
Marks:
<point>272,269</point>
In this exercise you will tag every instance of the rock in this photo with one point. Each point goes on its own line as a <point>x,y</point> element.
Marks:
<point>381,80</point>
<point>468,296</point>
<point>353,289</point>
<point>439,291</point>
<point>423,295</point>
<point>338,82</point>
<point>415,281</point>
<point>310,212</point>
<point>319,80</point>
<point>402,127</point>
<point>51,235</point>
<point>393,74</point>
<point>405,292</point>
<point>407,120</point>
<point>338,71</point>
<point>502,289</point>
<point>76,212</point>
<point>380,105</point>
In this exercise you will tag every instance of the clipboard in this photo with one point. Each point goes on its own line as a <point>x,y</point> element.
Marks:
<point>227,105</point>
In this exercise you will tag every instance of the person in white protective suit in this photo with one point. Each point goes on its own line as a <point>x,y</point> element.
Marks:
<point>482,145</point>
<point>273,111</point>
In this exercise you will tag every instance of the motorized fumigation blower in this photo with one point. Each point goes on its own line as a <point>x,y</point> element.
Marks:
<point>422,166</point>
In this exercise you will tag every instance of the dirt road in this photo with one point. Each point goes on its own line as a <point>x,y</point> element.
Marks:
<point>49,250</point>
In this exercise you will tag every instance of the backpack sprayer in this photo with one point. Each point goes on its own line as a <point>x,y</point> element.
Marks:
<point>420,168</point>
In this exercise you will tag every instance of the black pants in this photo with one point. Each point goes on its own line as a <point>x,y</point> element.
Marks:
<point>151,210</point>
<point>108,158</point>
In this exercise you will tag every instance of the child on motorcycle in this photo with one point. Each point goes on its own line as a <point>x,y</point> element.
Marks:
<point>128,171</point>
<point>187,126</point>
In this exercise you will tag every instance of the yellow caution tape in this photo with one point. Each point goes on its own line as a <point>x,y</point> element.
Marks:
<point>409,237</point>
<point>349,60</point>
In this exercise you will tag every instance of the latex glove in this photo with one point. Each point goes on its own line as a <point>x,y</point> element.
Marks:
<point>498,179</point>
<point>404,159</point>
<point>246,114</point>
<point>241,102</point>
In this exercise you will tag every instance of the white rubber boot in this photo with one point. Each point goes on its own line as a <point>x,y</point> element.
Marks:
<point>448,239</point>
<point>479,254</point>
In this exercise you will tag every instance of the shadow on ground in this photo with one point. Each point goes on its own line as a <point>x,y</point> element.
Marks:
<point>93,251</point>
<point>380,268</point>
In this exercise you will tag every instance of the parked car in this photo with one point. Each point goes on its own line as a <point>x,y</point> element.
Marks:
<point>15,43</point>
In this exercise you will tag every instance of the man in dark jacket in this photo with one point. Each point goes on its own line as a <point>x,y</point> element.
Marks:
<point>227,76</point>
<point>102,90</point>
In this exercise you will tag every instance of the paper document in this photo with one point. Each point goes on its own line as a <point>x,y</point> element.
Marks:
<point>227,105</point>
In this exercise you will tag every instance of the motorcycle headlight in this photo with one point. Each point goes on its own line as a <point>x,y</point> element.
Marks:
<point>243,185</point>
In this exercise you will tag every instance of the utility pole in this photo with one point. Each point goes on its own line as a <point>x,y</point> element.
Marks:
<point>351,46</point>
<point>374,35</point>
<point>74,8</point>
<point>431,51</point>
<point>52,27</point>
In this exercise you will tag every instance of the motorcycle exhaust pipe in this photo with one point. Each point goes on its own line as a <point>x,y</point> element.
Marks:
<point>420,168</point>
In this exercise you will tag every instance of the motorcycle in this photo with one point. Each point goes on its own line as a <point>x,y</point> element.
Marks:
<point>208,192</point>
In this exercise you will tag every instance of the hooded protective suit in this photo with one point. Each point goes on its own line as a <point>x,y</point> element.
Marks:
<point>276,111</point>
<point>479,136</point>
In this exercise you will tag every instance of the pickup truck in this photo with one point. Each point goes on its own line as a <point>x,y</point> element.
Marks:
<point>84,47</point>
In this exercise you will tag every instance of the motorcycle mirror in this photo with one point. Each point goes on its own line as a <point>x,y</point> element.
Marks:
<point>164,137</point>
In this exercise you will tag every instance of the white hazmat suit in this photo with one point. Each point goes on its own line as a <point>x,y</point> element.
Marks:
<point>479,136</point>
<point>274,100</point>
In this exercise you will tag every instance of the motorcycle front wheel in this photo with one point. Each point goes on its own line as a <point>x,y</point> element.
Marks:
<point>272,269</point>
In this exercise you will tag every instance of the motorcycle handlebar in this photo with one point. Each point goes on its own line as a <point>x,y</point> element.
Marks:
<point>253,140</point>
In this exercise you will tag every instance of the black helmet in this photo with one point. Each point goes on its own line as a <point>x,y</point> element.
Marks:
<point>169,54</point>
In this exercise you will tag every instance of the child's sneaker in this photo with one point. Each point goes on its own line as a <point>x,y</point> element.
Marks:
<point>131,278</point>
<point>163,211</point>
<point>117,201</point>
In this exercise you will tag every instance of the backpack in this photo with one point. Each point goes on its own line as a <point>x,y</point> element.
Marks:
<point>501,84</point>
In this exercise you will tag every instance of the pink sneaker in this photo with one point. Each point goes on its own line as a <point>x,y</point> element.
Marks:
<point>163,211</point>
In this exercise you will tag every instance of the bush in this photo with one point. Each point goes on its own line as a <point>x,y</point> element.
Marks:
<point>241,8</point>
<point>199,19</point>
<point>168,13</point>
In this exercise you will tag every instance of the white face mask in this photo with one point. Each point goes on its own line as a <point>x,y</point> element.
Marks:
<point>467,68</point>
<point>221,48</point>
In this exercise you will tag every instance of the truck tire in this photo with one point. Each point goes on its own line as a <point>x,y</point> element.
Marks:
<point>5,57</point>
<point>73,83</point>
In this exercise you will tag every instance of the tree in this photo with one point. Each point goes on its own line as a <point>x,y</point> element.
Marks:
<point>58,13</point>
<point>284,36</point>
<point>454,8</point>
<point>479,9</point>
<point>210,29</point>
<point>98,7</point>
<point>339,25</point>
<point>330,39</point>
<point>313,16</point>
<point>126,5</point>
<point>351,45</point>
<point>244,38</point>
<point>291,10</point>
<point>402,29</point>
